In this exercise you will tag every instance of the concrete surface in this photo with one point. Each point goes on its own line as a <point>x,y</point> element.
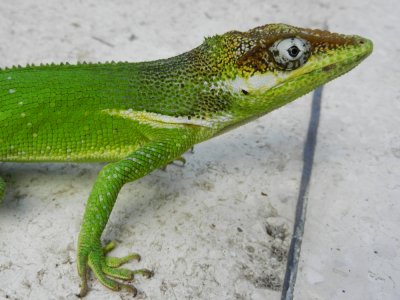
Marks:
<point>203,228</point>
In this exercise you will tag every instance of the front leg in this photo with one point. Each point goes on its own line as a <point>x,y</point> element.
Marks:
<point>101,201</point>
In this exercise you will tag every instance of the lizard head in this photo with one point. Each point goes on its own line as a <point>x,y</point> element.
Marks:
<point>269,66</point>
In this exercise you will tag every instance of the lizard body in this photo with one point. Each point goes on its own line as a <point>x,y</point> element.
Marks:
<point>141,116</point>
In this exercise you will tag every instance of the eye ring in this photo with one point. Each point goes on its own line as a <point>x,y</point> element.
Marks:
<point>290,53</point>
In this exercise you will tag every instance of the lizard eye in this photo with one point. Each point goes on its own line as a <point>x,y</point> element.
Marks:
<point>291,53</point>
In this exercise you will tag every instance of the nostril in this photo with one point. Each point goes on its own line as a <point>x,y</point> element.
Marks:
<point>361,41</point>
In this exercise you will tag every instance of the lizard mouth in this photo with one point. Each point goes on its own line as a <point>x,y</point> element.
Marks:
<point>361,48</point>
<point>361,52</point>
<point>322,68</point>
<point>326,68</point>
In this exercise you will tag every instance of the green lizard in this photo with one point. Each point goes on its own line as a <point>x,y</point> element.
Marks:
<point>141,116</point>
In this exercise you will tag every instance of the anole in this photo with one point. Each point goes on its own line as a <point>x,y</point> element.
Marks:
<point>141,116</point>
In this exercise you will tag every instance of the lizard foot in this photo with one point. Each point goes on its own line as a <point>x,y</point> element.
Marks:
<point>180,158</point>
<point>105,267</point>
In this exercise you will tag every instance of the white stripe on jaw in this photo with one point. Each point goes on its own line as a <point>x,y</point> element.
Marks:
<point>159,120</point>
<point>256,82</point>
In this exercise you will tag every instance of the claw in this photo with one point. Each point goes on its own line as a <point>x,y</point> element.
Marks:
<point>84,287</point>
<point>181,159</point>
<point>144,272</point>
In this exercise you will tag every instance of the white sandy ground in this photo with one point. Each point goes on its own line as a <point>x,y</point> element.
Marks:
<point>203,228</point>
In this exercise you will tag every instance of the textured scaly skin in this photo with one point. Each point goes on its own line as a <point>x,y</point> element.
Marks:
<point>141,116</point>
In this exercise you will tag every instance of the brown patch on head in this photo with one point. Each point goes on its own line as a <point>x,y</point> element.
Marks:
<point>252,48</point>
<point>255,59</point>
